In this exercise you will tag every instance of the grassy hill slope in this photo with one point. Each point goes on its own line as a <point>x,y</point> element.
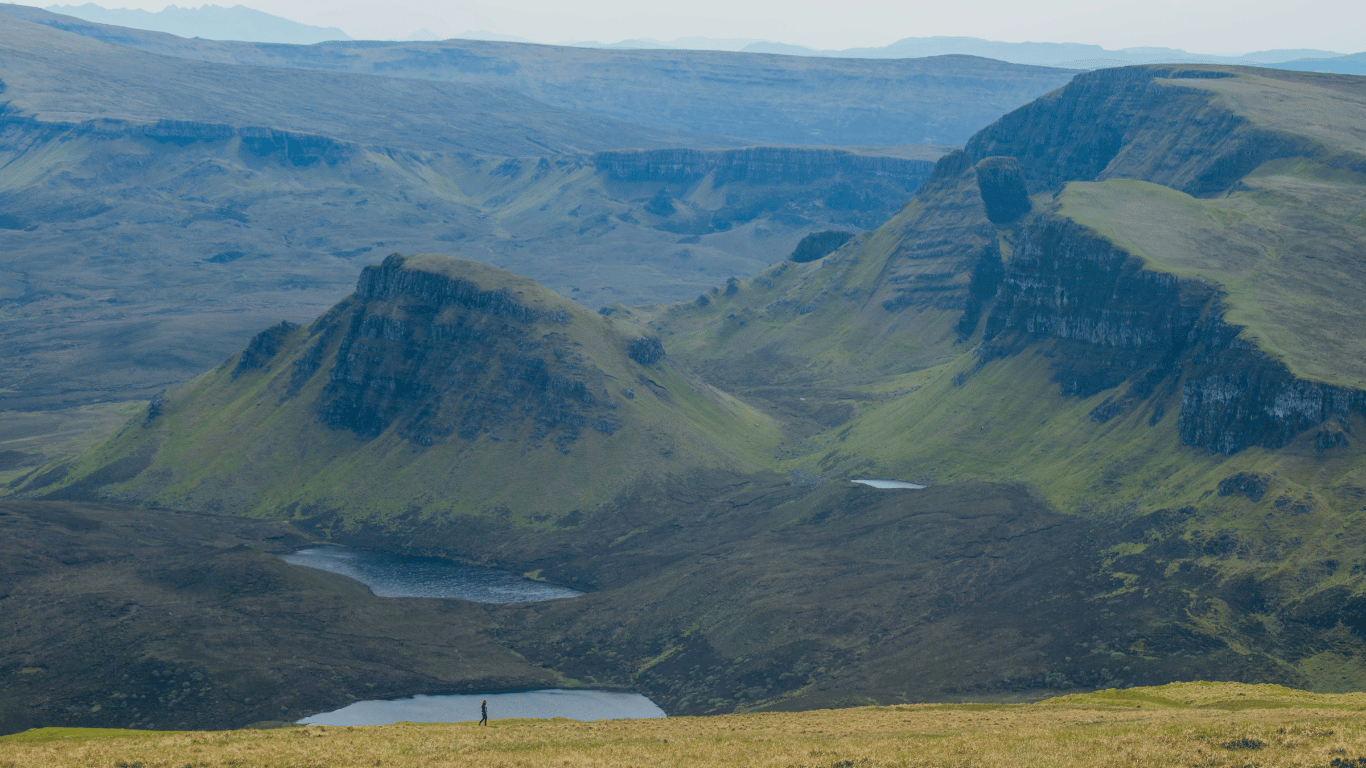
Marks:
<point>448,387</point>
<point>1217,724</point>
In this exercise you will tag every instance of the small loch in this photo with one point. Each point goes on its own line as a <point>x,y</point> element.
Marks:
<point>390,575</point>
<point>888,485</point>
<point>464,708</point>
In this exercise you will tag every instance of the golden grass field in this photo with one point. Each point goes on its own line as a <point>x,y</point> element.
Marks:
<point>1210,725</point>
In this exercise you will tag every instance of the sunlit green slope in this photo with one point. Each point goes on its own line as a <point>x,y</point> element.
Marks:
<point>458,389</point>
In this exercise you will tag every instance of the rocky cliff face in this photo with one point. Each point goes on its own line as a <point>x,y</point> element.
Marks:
<point>1235,397</point>
<point>1134,122</point>
<point>440,356</point>
<point>19,131</point>
<point>1122,322</point>
<point>1118,319</point>
<point>760,165</point>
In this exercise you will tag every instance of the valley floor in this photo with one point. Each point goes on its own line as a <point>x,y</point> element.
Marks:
<point>1204,724</point>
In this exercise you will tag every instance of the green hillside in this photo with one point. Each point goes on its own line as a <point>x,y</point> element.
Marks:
<point>561,418</point>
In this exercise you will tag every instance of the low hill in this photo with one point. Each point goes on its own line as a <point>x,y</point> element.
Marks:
<point>435,370</point>
<point>758,98</point>
<point>1074,55</point>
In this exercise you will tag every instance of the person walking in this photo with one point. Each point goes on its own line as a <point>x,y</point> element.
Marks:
<point>484,710</point>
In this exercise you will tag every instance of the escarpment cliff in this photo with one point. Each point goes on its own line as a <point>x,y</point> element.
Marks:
<point>1063,282</point>
<point>1125,314</point>
<point>1136,122</point>
<point>763,165</point>
<point>1160,333</point>
<point>442,356</point>
<point>1154,226</point>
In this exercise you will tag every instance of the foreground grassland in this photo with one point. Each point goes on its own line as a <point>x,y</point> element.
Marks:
<point>1203,724</point>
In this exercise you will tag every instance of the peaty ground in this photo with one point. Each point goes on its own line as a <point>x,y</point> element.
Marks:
<point>1204,724</point>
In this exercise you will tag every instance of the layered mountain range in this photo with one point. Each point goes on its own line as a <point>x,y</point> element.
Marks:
<point>1115,335</point>
<point>755,98</point>
<point>164,198</point>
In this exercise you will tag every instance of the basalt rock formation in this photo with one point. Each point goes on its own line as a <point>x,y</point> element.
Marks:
<point>818,245</point>
<point>1003,189</point>
<point>445,372</point>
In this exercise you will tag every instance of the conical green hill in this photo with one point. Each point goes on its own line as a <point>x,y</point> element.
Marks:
<point>441,387</point>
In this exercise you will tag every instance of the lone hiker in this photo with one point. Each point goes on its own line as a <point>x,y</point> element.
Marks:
<point>484,710</point>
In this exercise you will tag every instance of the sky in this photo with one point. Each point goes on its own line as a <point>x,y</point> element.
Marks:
<point>1199,26</point>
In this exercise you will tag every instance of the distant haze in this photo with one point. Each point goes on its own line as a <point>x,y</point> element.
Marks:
<point>1213,26</point>
<point>211,22</point>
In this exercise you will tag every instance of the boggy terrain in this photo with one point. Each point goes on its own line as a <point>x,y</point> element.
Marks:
<point>1142,460</point>
<point>159,619</point>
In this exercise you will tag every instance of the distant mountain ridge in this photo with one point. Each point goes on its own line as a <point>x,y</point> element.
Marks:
<point>1061,55</point>
<point>240,23</point>
<point>758,99</point>
<point>211,22</point>
<point>1065,55</point>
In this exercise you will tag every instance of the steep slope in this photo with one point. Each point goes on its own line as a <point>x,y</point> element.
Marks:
<point>1248,269</point>
<point>441,387</point>
<point>760,98</point>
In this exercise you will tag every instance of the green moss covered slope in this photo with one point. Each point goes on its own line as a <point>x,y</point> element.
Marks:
<point>445,386</point>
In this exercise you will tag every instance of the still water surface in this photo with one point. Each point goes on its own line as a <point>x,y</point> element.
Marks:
<point>390,575</point>
<point>464,707</point>
<point>887,485</point>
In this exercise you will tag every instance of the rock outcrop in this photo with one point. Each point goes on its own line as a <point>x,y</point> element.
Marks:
<point>760,165</point>
<point>440,356</point>
<point>1003,189</point>
<point>1126,322</point>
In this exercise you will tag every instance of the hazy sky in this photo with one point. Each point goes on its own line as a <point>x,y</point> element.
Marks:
<point>1202,26</point>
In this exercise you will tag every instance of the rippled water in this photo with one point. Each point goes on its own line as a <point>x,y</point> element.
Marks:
<point>889,484</point>
<point>390,575</point>
<point>464,707</point>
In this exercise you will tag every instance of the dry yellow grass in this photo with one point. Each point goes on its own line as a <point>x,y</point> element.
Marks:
<point>1211,725</point>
